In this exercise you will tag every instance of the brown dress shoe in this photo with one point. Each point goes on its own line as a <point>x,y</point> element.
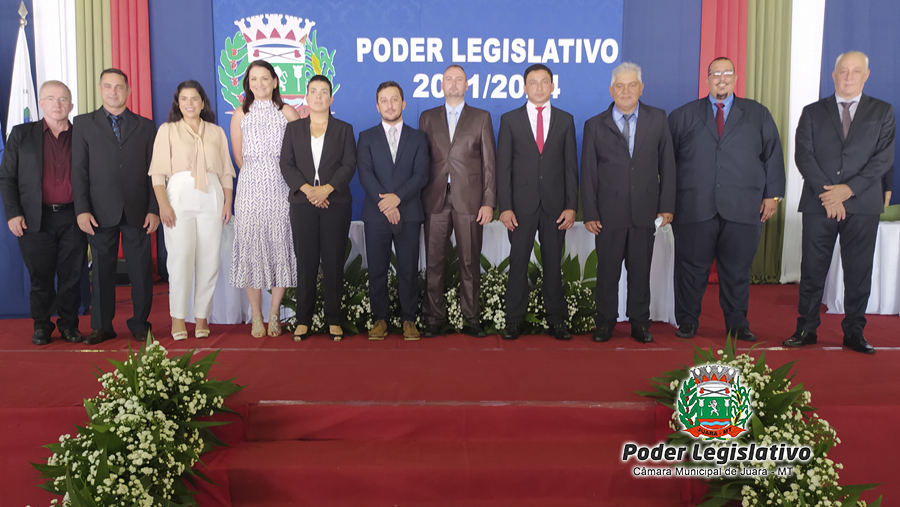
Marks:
<point>410,332</point>
<point>378,331</point>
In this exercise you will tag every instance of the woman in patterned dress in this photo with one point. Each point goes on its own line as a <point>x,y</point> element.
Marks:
<point>263,255</point>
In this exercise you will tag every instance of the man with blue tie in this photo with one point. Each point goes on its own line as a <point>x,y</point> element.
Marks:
<point>627,185</point>
<point>729,177</point>
<point>392,159</point>
<point>845,147</point>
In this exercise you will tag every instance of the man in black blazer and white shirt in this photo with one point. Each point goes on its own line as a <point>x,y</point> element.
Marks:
<point>537,187</point>
<point>111,151</point>
<point>845,146</point>
<point>627,183</point>
<point>36,184</point>
<point>730,176</point>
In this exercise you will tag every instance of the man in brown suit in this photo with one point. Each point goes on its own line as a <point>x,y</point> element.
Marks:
<point>460,196</point>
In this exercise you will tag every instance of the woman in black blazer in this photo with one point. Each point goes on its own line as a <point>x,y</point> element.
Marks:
<point>318,159</point>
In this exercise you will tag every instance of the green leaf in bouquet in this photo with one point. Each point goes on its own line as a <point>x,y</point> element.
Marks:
<point>537,253</point>
<point>590,266</point>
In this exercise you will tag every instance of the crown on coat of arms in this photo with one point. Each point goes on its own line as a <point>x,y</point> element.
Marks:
<point>282,30</point>
<point>714,379</point>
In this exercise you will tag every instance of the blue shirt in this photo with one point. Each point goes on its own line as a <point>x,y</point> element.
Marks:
<point>729,101</point>
<point>619,118</point>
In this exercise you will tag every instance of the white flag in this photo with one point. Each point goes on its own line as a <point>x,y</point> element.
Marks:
<point>22,103</point>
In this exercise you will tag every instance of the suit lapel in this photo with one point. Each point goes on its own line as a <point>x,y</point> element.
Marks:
<point>862,109</point>
<point>610,123</point>
<point>640,130</point>
<point>442,127</point>
<point>734,116</point>
<point>105,126</point>
<point>404,135</point>
<point>551,129</point>
<point>709,117</point>
<point>460,123</point>
<point>131,124</point>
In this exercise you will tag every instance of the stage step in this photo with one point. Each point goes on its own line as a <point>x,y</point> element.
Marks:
<point>450,421</point>
<point>378,473</point>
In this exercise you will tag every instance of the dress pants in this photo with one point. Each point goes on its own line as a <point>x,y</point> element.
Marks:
<point>193,244</point>
<point>104,256</point>
<point>634,245</point>
<point>438,227</point>
<point>521,241</point>
<point>857,234</point>
<point>320,235</point>
<point>379,236</point>
<point>732,245</point>
<point>55,258</point>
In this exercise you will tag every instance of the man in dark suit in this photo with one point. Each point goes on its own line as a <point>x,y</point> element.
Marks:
<point>459,197</point>
<point>730,176</point>
<point>537,186</point>
<point>111,150</point>
<point>845,146</point>
<point>392,159</point>
<point>36,185</point>
<point>627,187</point>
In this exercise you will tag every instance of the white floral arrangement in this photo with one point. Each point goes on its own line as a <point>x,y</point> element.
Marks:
<point>147,428</point>
<point>356,313</point>
<point>782,414</point>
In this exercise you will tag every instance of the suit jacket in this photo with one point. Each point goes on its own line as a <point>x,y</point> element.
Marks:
<point>729,176</point>
<point>109,176</point>
<point>22,174</point>
<point>527,177</point>
<point>469,160</point>
<point>406,177</point>
<point>861,161</point>
<point>336,167</point>
<point>622,190</point>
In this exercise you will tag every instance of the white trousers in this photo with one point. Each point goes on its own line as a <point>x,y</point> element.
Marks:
<point>193,244</point>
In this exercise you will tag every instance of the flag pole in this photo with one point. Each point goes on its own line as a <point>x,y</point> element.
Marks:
<point>23,12</point>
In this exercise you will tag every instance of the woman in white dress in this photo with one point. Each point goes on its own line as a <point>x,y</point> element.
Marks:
<point>263,255</point>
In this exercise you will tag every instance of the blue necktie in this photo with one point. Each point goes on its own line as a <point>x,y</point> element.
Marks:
<point>115,125</point>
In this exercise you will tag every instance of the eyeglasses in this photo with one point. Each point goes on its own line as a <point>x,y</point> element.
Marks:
<point>61,100</point>
<point>721,73</point>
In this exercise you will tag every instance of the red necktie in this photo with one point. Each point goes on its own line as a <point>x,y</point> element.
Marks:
<point>720,118</point>
<point>540,129</point>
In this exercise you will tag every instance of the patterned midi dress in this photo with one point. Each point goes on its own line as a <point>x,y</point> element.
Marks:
<point>263,254</point>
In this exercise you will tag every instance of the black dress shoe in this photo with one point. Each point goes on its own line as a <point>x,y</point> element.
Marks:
<point>72,335</point>
<point>686,331</point>
<point>431,330</point>
<point>560,332</point>
<point>602,334</point>
<point>744,334</point>
<point>97,337</point>
<point>41,337</point>
<point>473,330</point>
<point>141,335</point>
<point>512,332</point>
<point>858,343</point>
<point>800,338</point>
<point>641,334</point>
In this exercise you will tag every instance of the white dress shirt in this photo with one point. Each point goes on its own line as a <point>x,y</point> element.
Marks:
<point>317,143</point>
<point>532,118</point>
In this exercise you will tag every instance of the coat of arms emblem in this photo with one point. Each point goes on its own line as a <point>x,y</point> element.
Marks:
<point>713,404</point>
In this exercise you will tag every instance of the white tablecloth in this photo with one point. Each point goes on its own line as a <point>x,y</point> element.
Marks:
<point>883,299</point>
<point>231,306</point>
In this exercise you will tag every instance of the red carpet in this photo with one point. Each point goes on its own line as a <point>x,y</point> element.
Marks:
<point>451,420</point>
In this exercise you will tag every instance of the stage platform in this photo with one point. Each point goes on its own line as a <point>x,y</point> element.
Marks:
<point>451,420</point>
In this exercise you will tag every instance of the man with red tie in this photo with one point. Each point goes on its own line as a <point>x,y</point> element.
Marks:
<point>537,188</point>
<point>729,176</point>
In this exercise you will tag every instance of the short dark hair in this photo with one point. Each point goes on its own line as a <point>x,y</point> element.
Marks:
<point>536,67</point>
<point>248,95</point>
<point>114,71</point>
<point>388,84</point>
<point>718,59</point>
<point>206,114</point>
<point>320,77</point>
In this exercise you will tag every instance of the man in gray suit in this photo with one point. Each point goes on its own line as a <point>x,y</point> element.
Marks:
<point>460,197</point>
<point>537,187</point>
<point>845,147</point>
<point>627,183</point>
<point>730,176</point>
<point>111,151</point>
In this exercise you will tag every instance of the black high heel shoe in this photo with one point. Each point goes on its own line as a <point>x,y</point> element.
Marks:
<point>301,336</point>
<point>337,337</point>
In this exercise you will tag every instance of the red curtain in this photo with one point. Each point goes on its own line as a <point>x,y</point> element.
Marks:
<point>723,29</point>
